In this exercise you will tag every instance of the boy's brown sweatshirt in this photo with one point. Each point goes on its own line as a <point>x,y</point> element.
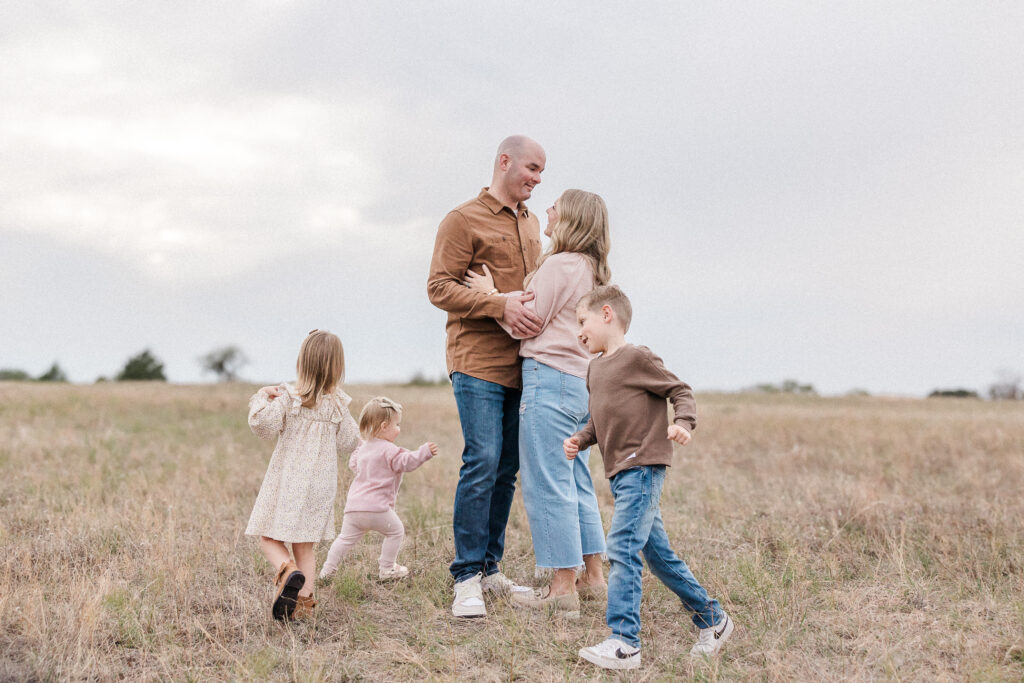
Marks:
<point>628,418</point>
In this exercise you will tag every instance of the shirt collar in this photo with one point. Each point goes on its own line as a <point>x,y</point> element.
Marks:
<point>492,203</point>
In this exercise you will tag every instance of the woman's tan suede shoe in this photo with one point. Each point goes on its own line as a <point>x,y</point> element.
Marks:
<point>597,591</point>
<point>567,605</point>
<point>289,581</point>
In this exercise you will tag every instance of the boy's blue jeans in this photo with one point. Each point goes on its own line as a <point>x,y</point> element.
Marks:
<point>636,528</point>
<point>489,414</point>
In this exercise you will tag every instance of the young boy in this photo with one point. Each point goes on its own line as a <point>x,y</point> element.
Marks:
<point>628,386</point>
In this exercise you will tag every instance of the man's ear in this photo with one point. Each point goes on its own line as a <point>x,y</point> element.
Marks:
<point>504,161</point>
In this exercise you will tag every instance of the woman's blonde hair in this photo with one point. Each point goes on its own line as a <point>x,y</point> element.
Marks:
<point>320,367</point>
<point>375,413</point>
<point>582,227</point>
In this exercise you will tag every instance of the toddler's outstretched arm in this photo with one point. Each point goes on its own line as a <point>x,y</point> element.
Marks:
<point>266,415</point>
<point>402,460</point>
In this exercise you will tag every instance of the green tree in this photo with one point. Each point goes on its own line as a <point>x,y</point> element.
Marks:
<point>54,374</point>
<point>224,362</point>
<point>143,366</point>
<point>12,375</point>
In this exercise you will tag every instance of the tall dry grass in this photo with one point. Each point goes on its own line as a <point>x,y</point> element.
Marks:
<point>853,539</point>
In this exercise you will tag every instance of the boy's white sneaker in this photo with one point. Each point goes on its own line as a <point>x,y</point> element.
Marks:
<point>612,654</point>
<point>469,599</point>
<point>396,572</point>
<point>710,640</point>
<point>499,584</point>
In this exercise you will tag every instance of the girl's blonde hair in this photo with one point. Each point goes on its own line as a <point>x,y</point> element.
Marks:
<point>320,367</point>
<point>375,413</point>
<point>582,227</point>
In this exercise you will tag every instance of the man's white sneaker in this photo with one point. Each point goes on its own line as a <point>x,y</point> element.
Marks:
<point>469,599</point>
<point>499,584</point>
<point>396,572</point>
<point>612,654</point>
<point>710,640</point>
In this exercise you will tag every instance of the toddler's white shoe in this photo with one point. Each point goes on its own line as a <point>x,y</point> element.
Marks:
<point>327,572</point>
<point>710,640</point>
<point>499,584</point>
<point>612,654</point>
<point>396,572</point>
<point>469,598</point>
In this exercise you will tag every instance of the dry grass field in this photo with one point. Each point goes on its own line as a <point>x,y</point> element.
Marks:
<point>851,539</point>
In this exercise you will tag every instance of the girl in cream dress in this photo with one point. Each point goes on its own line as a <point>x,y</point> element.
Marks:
<point>296,501</point>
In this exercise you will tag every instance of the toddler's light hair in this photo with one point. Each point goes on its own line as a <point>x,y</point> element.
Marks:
<point>375,413</point>
<point>609,295</point>
<point>320,367</point>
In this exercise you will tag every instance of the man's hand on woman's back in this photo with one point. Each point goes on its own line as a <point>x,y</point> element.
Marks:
<point>524,323</point>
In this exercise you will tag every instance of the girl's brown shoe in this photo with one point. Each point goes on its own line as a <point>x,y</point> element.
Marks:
<point>289,581</point>
<point>304,605</point>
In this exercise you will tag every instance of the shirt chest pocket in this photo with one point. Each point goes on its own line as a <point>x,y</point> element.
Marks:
<point>499,252</point>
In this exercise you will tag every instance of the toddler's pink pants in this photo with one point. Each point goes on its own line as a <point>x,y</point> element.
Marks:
<point>354,526</point>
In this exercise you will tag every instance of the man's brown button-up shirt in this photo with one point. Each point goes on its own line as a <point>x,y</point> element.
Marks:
<point>482,231</point>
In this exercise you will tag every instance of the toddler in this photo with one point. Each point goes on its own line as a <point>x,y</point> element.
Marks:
<point>628,386</point>
<point>370,506</point>
<point>296,501</point>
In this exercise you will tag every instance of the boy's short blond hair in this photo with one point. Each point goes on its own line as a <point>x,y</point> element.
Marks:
<point>609,295</point>
<point>375,413</point>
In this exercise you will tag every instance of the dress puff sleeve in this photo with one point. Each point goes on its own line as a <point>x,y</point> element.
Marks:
<point>266,416</point>
<point>353,460</point>
<point>348,430</point>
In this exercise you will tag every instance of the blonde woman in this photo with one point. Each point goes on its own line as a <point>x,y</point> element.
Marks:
<point>559,494</point>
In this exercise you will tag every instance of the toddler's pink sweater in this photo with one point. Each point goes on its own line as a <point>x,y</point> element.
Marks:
<point>379,465</point>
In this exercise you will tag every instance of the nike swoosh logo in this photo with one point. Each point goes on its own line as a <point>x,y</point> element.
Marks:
<point>718,634</point>
<point>622,655</point>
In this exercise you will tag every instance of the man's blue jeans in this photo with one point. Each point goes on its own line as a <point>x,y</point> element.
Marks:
<point>636,528</point>
<point>489,414</point>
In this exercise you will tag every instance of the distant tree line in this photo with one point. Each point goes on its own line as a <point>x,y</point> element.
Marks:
<point>953,393</point>
<point>421,380</point>
<point>224,362</point>
<point>788,386</point>
<point>1009,386</point>
<point>54,374</point>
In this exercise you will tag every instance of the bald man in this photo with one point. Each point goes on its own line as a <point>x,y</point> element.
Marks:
<point>497,230</point>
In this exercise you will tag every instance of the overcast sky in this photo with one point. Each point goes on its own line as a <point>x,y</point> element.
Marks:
<point>831,192</point>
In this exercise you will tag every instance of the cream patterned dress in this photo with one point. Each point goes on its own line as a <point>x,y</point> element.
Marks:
<point>296,500</point>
